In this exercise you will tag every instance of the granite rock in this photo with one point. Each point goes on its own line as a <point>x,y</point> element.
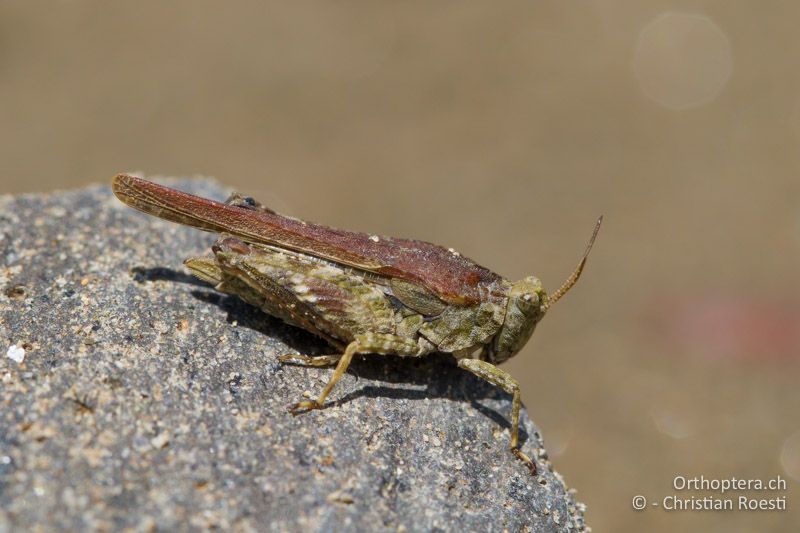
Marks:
<point>134,396</point>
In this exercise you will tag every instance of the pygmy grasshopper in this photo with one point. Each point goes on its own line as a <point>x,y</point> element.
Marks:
<point>363,294</point>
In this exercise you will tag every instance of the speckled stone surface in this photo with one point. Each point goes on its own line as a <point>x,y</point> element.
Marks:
<point>146,400</point>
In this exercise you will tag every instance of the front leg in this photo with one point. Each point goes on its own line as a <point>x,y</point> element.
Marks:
<point>377,343</point>
<point>502,379</point>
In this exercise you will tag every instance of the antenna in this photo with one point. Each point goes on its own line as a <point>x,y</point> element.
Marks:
<point>573,278</point>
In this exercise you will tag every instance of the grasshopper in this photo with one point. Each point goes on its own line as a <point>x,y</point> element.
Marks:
<point>363,294</point>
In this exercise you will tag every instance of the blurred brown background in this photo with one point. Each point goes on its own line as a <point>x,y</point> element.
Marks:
<point>502,129</point>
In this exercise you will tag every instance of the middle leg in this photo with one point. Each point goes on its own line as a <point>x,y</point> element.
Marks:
<point>369,343</point>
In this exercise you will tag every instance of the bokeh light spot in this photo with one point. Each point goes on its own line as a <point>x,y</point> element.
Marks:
<point>682,60</point>
<point>790,456</point>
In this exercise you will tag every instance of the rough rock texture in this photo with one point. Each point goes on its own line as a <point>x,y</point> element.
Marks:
<point>147,400</point>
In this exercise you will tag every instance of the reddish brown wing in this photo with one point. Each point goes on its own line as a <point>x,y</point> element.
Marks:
<point>455,279</point>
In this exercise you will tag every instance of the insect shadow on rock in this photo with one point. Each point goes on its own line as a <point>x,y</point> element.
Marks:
<point>142,274</point>
<point>363,294</point>
<point>439,375</point>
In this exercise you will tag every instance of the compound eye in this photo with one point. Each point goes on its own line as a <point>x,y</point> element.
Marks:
<point>530,298</point>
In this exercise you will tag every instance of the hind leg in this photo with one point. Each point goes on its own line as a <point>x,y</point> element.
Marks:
<point>305,360</point>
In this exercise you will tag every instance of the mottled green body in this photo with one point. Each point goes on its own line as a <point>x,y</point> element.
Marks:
<point>364,294</point>
<point>340,304</point>
<point>328,301</point>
